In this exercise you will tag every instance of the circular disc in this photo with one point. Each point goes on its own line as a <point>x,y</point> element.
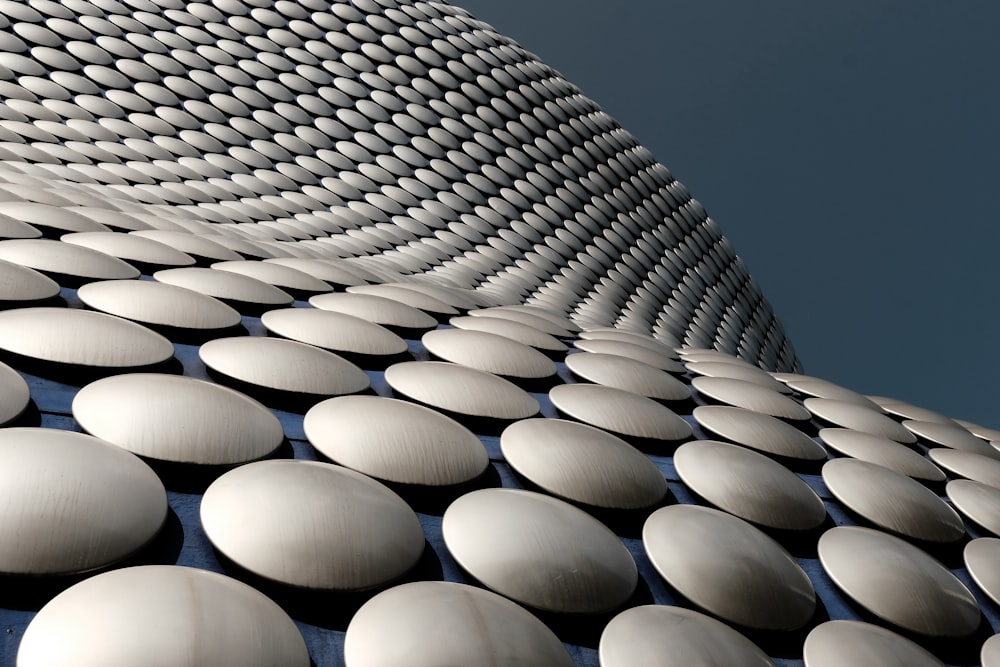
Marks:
<point>311,525</point>
<point>375,309</point>
<point>620,372</point>
<point>737,371</point>
<point>396,441</point>
<point>892,501</point>
<point>857,644</point>
<point>952,436</point>
<point>979,502</point>
<point>156,303</point>
<point>14,394</point>
<point>80,337</point>
<point>750,396</point>
<point>21,284</point>
<point>73,502</point>
<point>619,411</point>
<point>981,558</point>
<point>881,451</point>
<point>403,626</point>
<point>522,333</point>
<point>757,431</point>
<point>693,548</point>
<point>461,390</point>
<point>539,551</point>
<point>176,418</point>
<point>65,259</point>
<point>858,418</point>
<point>582,464</point>
<point>488,352</point>
<point>178,614</point>
<point>748,485</point>
<point>632,351</point>
<point>675,637</point>
<point>898,582</point>
<point>967,464</point>
<point>283,365</point>
<point>225,285</point>
<point>333,331</point>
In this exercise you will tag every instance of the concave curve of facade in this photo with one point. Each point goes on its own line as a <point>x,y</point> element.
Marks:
<point>389,346</point>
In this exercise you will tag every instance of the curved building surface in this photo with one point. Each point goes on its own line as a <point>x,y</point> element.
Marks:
<point>352,333</point>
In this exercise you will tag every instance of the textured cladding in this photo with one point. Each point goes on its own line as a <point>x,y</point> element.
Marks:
<point>390,347</point>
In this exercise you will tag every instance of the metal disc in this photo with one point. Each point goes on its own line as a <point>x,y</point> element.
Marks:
<point>19,284</point>
<point>283,365</point>
<point>333,331</point>
<point>582,464</point>
<point>74,502</point>
<point>231,287</point>
<point>857,644</point>
<point>461,390</point>
<point>628,374</point>
<point>981,557</point>
<point>675,637</point>
<point>892,501</point>
<point>375,309</point>
<point>881,451</point>
<point>967,464</point>
<point>312,525</point>
<point>858,418</point>
<point>80,337</point>
<point>757,431</point>
<point>748,485</point>
<point>179,614</point>
<point>395,441</point>
<point>522,333</point>
<point>149,302</point>
<point>620,412</point>
<point>176,418</point>
<point>898,582</point>
<point>563,559</point>
<point>977,501</point>
<point>750,396</point>
<point>693,548</point>
<point>488,352</point>
<point>404,624</point>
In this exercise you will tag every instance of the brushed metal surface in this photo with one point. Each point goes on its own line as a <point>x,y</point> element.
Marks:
<point>819,388</point>
<point>880,451</point>
<point>857,644</point>
<point>312,525</point>
<point>522,333</point>
<point>661,347</point>
<point>736,371</point>
<point>329,271</point>
<point>552,325</point>
<point>897,582</point>
<point>982,559</point>
<point>460,389</point>
<point>858,418</point>
<point>990,653</point>
<point>748,485</point>
<point>283,277</point>
<point>728,568</point>
<point>627,374</point>
<point>539,551</point>
<point>891,501</point>
<point>65,259</point>
<point>892,406</point>
<point>760,432</point>
<point>284,365</point>
<point>395,440</point>
<point>375,309</point>
<point>619,411</point>
<point>750,396</point>
<point>977,501</point>
<point>149,302</point>
<point>72,503</point>
<point>176,418</point>
<point>632,351</point>
<point>225,285</point>
<point>432,623</point>
<point>952,436</point>
<point>333,331</point>
<point>173,615</point>
<point>582,464</point>
<point>80,337</point>
<point>21,284</point>
<point>409,295</point>
<point>967,464</point>
<point>488,352</point>
<point>129,247</point>
<point>675,637</point>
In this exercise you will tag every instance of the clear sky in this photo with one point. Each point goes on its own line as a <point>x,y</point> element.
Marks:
<point>850,150</point>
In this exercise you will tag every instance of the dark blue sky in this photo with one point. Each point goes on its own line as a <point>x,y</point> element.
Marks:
<point>850,150</point>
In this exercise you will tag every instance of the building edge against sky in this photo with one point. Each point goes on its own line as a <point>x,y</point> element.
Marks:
<point>329,327</point>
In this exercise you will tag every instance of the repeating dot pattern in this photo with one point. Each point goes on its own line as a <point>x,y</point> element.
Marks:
<point>388,200</point>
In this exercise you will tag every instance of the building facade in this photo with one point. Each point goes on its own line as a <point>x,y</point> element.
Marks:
<point>352,333</point>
